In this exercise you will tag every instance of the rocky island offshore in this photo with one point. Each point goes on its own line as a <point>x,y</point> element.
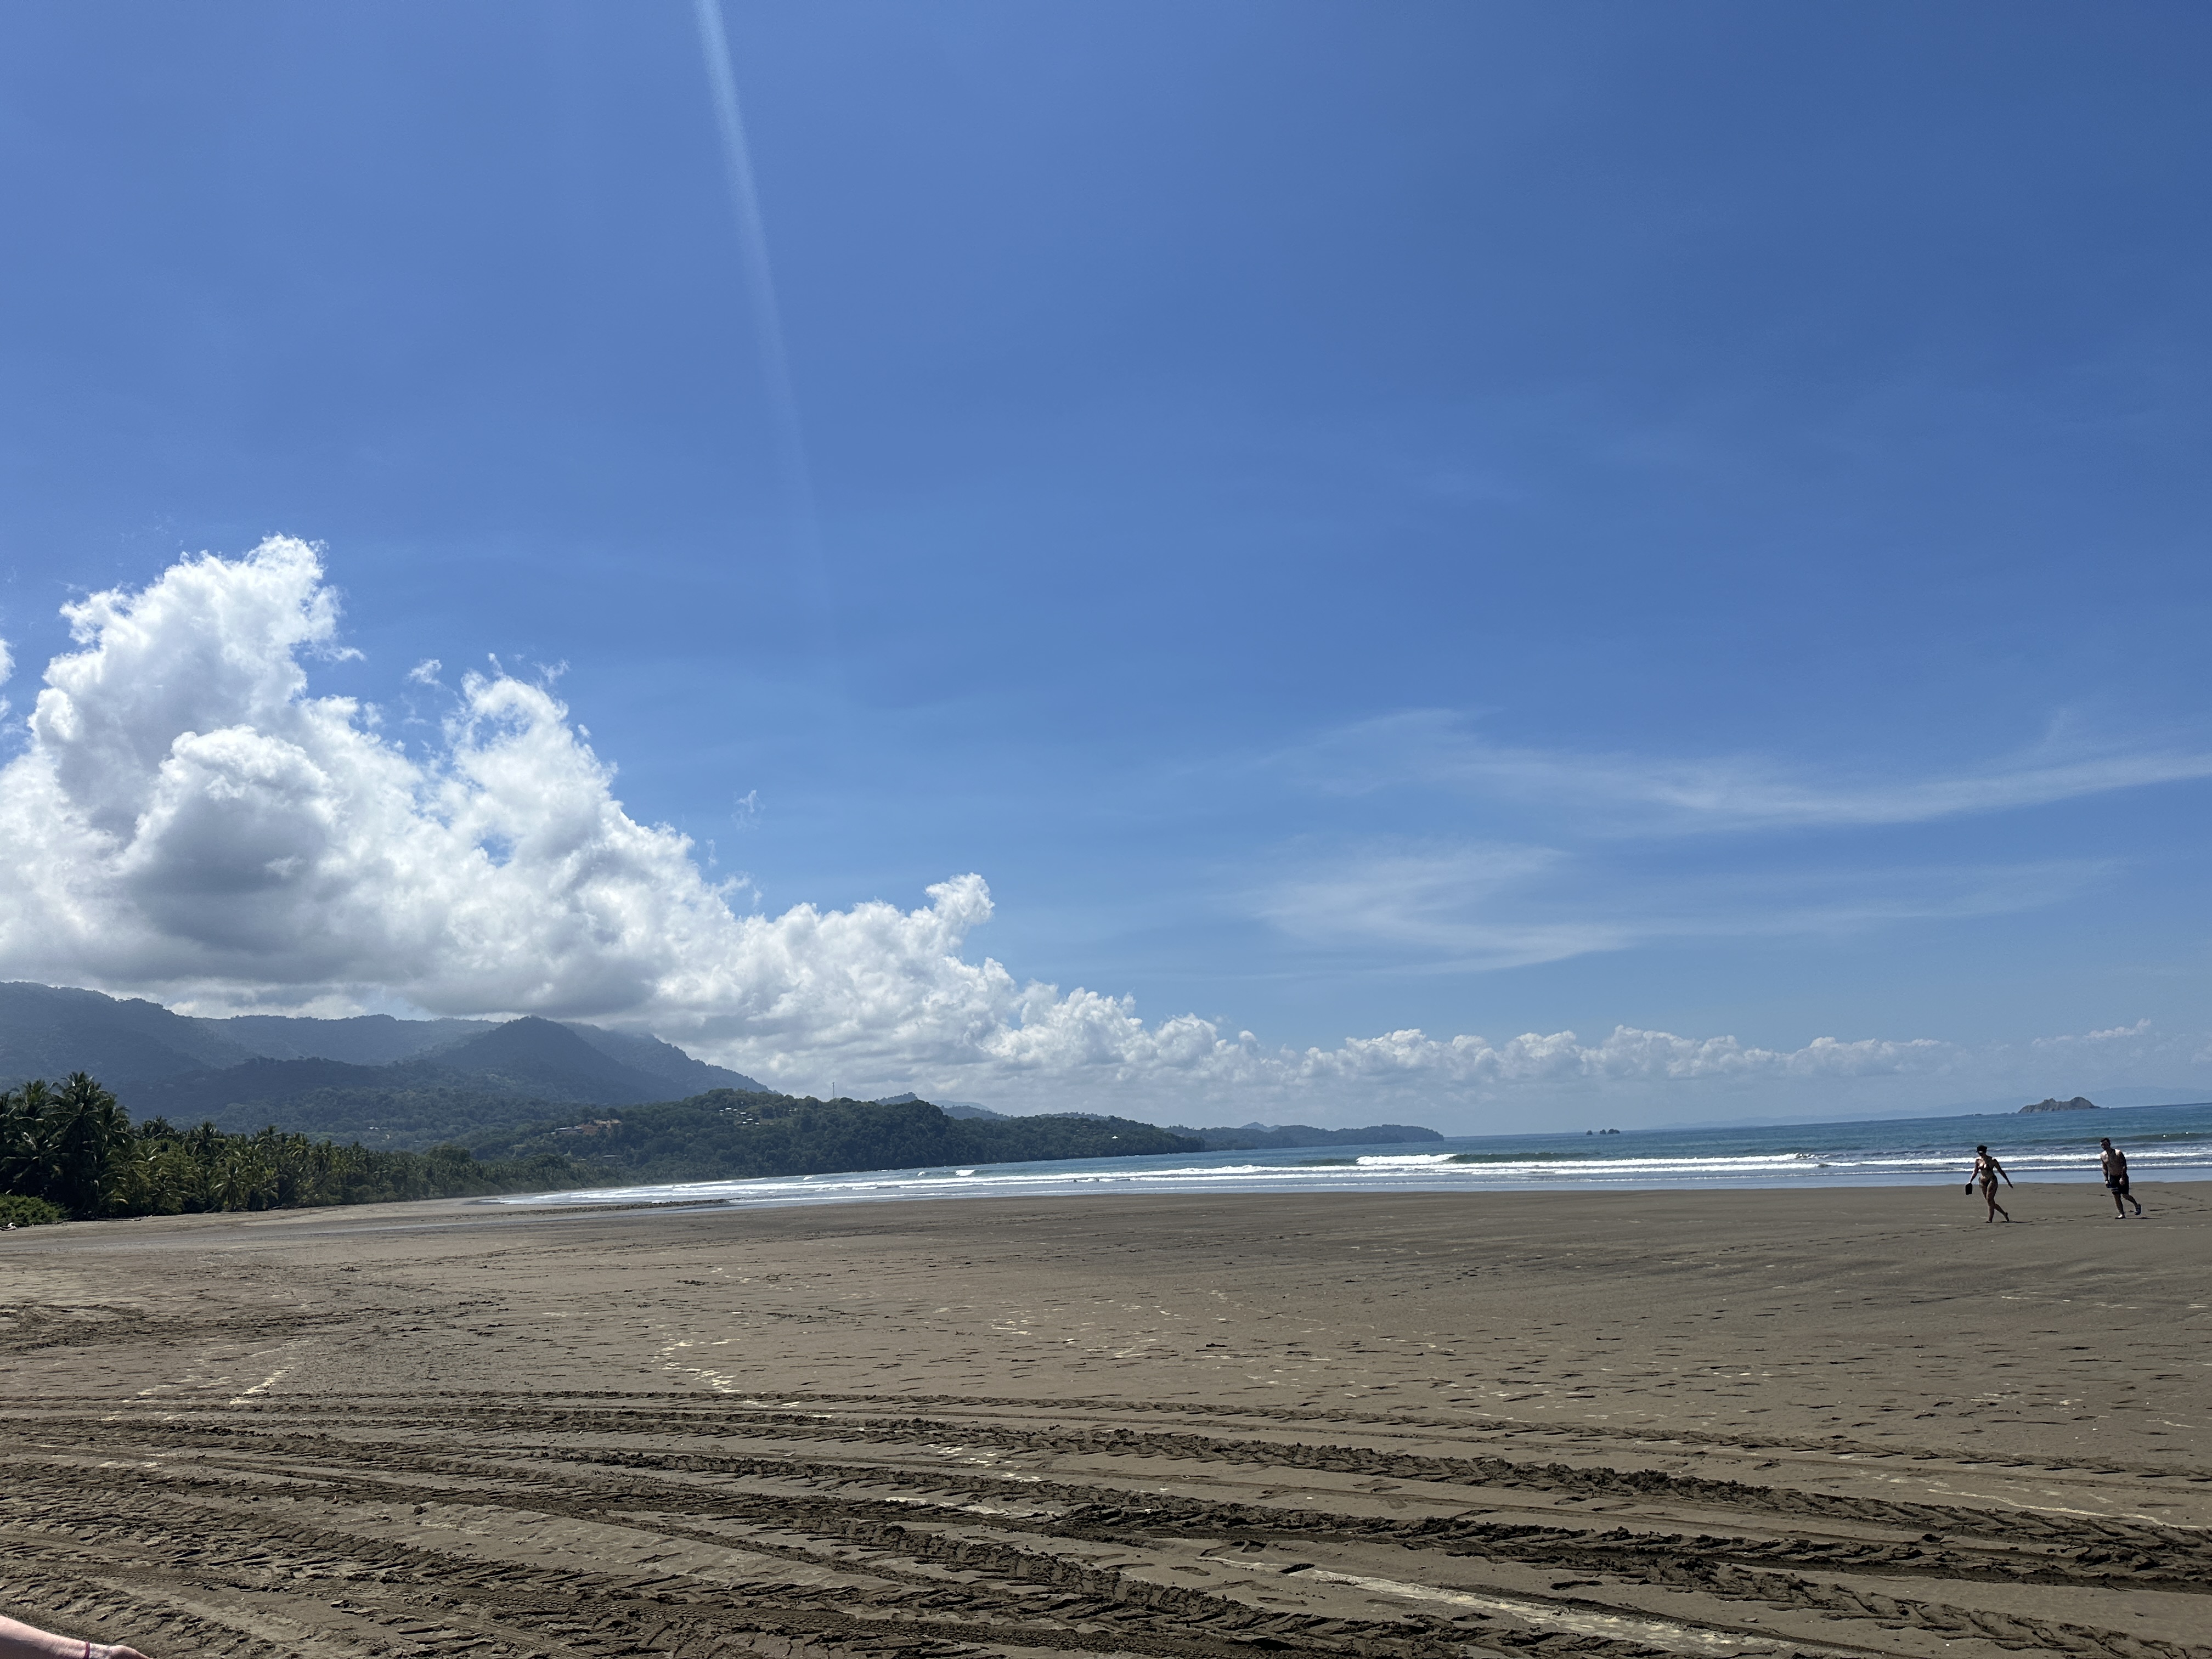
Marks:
<point>2078,1103</point>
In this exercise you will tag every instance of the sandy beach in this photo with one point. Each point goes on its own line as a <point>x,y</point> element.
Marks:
<point>1833,1422</point>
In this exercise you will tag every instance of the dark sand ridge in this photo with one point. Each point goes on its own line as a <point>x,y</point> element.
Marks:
<point>1843,1421</point>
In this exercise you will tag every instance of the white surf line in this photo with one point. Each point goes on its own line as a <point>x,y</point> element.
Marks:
<point>720,1382</point>
<point>240,1399</point>
<point>1949,1493</point>
<point>1582,1621</point>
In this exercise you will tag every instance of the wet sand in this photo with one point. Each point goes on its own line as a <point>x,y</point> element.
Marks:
<point>1840,1422</point>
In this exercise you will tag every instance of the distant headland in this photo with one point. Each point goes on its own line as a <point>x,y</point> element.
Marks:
<point>2078,1103</point>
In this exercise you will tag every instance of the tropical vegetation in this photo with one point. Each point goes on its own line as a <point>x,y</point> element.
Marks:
<point>74,1149</point>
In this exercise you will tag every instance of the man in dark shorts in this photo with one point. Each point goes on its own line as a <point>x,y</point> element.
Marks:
<point>2115,1163</point>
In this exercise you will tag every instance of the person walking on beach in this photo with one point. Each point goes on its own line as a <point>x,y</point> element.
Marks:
<point>21,1641</point>
<point>2115,1163</point>
<point>1986,1171</point>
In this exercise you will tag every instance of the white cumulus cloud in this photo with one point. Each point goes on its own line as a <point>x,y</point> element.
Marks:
<point>187,820</point>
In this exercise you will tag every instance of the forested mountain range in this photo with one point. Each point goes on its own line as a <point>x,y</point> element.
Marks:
<point>162,1112</point>
<point>393,1083</point>
<point>405,1085</point>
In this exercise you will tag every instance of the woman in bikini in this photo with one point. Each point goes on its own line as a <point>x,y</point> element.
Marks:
<point>1986,1171</point>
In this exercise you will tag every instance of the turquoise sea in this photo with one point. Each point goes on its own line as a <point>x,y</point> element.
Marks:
<point>2163,1143</point>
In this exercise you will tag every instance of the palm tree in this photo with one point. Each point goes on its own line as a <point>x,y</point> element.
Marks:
<point>27,1165</point>
<point>86,1135</point>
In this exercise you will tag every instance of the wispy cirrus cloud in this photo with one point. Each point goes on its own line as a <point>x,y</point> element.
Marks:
<point>1607,854</point>
<point>1458,906</point>
<point>1619,793</point>
<point>1441,907</point>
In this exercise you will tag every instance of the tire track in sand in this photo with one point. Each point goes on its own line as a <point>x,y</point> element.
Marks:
<point>502,1529</point>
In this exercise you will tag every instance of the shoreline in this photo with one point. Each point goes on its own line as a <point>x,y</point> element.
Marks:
<point>899,1188</point>
<point>525,1206</point>
<point>2164,1143</point>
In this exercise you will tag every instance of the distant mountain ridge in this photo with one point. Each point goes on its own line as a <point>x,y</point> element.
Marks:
<point>966,1110</point>
<point>406,1085</point>
<point>390,1082</point>
<point>1245,1138</point>
<point>46,1032</point>
<point>364,1040</point>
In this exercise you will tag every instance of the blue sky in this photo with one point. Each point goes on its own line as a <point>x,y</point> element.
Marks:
<point>1482,518</point>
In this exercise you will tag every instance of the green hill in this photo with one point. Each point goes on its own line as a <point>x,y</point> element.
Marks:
<point>729,1134</point>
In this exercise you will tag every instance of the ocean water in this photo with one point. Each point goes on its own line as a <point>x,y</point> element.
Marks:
<point>2163,1143</point>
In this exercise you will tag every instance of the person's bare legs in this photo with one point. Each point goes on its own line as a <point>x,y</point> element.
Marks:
<point>21,1641</point>
<point>1990,1192</point>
